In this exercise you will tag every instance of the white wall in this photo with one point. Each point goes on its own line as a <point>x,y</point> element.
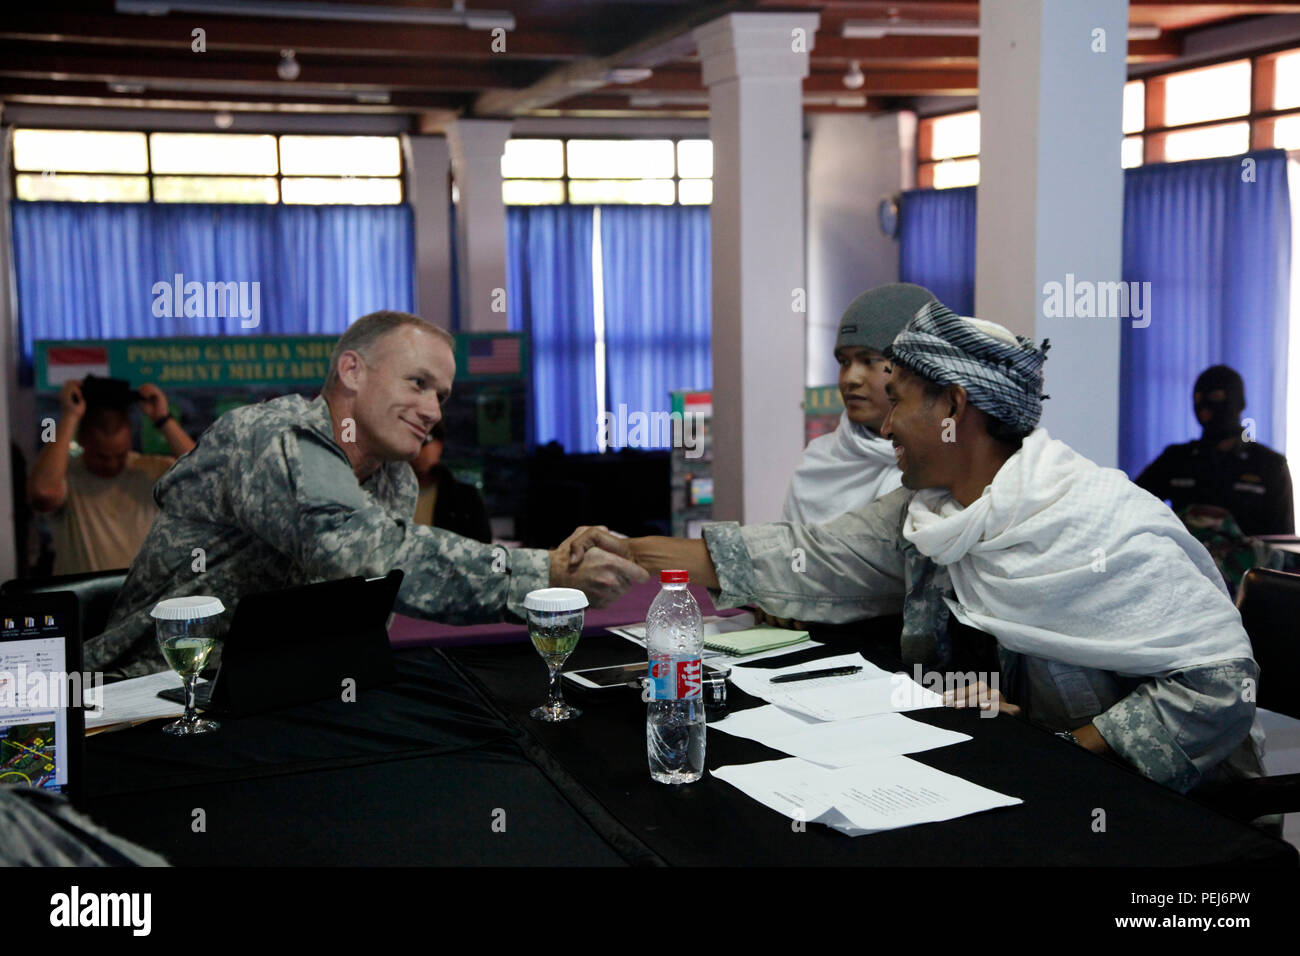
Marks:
<point>854,160</point>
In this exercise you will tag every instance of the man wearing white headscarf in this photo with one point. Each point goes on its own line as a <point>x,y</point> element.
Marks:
<point>1113,626</point>
<point>853,465</point>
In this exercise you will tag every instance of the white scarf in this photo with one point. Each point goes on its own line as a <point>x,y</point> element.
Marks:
<point>1063,559</point>
<point>842,471</point>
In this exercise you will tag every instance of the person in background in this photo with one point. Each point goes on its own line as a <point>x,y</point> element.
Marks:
<point>446,502</point>
<point>101,500</point>
<point>1248,479</point>
<point>853,465</point>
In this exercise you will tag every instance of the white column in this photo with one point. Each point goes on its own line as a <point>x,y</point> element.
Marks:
<point>1051,195</point>
<point>754,65</point>
<point>9,388</point>
<point>476,150</point>
<point>428,163</point>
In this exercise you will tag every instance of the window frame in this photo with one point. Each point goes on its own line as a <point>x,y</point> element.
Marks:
<point>149,174</point>
<point>565,178</point>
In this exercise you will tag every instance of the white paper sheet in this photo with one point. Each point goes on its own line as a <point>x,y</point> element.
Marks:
<point>134,701</point>
<point>882,794</point>
<point>839,743</point>
<point>870,691</point>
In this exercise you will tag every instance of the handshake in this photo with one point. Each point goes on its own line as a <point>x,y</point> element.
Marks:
<point>597,561</point>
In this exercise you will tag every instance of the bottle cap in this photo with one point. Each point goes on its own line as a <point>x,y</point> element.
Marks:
<point>555,599</point>
<point>187,608</point>
<point>674,577</point>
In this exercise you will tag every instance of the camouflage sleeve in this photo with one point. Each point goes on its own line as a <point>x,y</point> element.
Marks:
<point>302,498</point>
<point>844,570</point>
<point>1175,729</point>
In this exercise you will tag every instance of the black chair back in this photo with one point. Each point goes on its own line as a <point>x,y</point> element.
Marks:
<point>96,591</point>
<point>1269,602</point>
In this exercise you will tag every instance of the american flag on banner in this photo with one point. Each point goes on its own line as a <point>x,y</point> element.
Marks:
<point>493,356</point>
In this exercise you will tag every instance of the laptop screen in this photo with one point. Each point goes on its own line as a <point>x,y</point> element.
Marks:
<point>41,713</point>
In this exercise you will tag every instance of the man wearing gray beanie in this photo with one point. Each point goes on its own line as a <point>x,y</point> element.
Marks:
<point>853,466</point>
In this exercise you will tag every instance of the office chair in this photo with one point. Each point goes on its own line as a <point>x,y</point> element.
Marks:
<point>1269,602</point>
<point>96,591</point>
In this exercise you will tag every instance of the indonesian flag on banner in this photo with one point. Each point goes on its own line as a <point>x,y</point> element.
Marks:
<point>67,363</point>
<point>697,403</point>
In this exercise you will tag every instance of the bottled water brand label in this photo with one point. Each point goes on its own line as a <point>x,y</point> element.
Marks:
<point>676,679</point>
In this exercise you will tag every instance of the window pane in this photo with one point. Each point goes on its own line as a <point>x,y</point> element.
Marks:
<point>82,151</point>
<point>1226,140</point>
<point>1134,106</point>
<point>695,192</point>
<point>1286,81</point>
<point>212,153</point>
<point>657,192</point>
<point>83,188</point>
<point>695,158</point>
<point>340,156</point>
<point>956,172</point>
<point>533,158</point>
<point>532,192</point>
<point>955,135</point>
<point>620,159</point>
<point>1130,153</point>
<point>214,189</point>
<point>1211,93</point>
<point>356,192</point>
<point>1286,132</point>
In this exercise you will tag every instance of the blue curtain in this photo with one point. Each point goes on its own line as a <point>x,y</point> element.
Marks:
<point>657,302</point>
<point>549,296</point>
<point>1213,237</point>
<point>87,270</point>
<point>937,244</point>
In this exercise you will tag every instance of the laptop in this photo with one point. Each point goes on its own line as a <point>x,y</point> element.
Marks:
<point>42,708</point>
<point>301,644</point>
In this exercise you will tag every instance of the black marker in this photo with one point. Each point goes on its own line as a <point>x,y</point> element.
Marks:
<point>810,675</point>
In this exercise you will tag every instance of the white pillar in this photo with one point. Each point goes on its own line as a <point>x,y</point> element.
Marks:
<point>754,65</point>
<point>428,164</point>
<point>1051,195</point>
<point>9,378</point>
<point>476,150</point>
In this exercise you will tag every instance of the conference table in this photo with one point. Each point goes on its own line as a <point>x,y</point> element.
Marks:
<point>444,766</point>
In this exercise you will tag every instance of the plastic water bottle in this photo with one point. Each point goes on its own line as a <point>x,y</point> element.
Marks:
<point>674,723</point>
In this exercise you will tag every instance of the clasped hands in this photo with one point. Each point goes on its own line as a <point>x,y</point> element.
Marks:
<point>598,562</point>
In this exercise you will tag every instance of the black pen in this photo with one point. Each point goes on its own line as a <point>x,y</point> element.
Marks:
<point>810,675</point>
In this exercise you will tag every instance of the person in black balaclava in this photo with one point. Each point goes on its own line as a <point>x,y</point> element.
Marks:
<point>1245,477</point>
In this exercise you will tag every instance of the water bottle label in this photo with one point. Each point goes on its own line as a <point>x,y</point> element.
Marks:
<point>676,679</point>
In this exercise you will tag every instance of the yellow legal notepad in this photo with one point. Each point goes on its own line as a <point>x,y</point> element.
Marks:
<point>754,639</point>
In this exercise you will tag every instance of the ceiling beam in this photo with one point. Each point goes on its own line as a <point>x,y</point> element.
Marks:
<point>662,46</point>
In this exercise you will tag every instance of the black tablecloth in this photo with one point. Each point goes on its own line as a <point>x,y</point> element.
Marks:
<point>422,771</point>
<point>446,767</point>
<point>1062,786</point>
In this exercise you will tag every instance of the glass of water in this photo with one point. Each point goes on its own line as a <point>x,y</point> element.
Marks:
<point>554,626</point>
<point>187,630</point>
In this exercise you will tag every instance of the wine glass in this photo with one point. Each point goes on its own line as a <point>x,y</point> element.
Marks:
<point>187,630</point>
<point>554,626</point>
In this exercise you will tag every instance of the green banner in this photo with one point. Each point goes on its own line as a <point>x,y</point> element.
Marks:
<point>271,361</point>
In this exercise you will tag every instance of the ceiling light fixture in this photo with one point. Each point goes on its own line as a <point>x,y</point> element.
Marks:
<point>879,29</point>
<point>360,12</point>
<point>855,79</point>
<point>288,67</point>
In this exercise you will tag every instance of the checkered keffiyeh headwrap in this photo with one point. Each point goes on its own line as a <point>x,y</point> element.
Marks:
<point>1002,379</point>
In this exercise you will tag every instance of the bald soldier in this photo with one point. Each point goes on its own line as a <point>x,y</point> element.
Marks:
<point>292,492</point>
<point>1113,626</point>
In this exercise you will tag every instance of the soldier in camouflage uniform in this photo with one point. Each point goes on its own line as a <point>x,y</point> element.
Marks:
<point>1173,695</point>
<point>292,492</point>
